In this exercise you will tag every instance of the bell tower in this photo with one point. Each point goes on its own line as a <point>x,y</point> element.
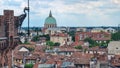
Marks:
<point>9,21</point>
<point>9,39</point>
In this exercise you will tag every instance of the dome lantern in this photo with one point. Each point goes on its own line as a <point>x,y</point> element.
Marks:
<point>50,21</point>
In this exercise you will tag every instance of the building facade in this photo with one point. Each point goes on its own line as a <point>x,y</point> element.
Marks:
<point>60,38</point>
<point>110,30</point>
<point>82,29</point>
<point>114,48</point>
<point>52,31</point>
<point>97,30</point>
<point>97,36</point>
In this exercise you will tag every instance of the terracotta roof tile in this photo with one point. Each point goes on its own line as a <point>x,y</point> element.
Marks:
<point>81,58</point>
<point>60,35</point>
<point>115,61</point>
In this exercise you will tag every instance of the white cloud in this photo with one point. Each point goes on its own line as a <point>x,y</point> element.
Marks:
<point>116,1</point>
<point>59,6</point>
<point>40,8</point>
<point>88,8</point>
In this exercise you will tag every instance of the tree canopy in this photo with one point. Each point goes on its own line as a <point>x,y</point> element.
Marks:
<point>91,42</point>
<point>72,34</point>
<point>28,66</point>
<point>116,36</point>
<point>78,47</point>
<point>57,44</point>
<point>31,49</point>
<point>37,37</point>
<point>50,43</point>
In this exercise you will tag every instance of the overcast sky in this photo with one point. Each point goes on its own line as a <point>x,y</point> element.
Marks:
<point>68,12</point>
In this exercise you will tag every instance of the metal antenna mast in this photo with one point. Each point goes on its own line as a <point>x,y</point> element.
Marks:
<point>28,20</point>
<point>118,27</point>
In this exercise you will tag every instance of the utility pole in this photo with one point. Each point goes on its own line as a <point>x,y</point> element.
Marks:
<point>28,21</point>
<point>118,27</point>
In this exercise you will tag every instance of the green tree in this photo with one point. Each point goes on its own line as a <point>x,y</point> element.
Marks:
<point>78,47</point>
<point>72,34</point>
<point>36,38</point>
<point>57,44</point>
<point>46,36</point>
<point>28,66</point>
<point>116,36</point>
<point>26,42</point>
<point>30,49</point>
<point>49,43</point>
<point>103,44</point>
<point>107,42</point>
<point>91,42</point>
<point>21,34</point>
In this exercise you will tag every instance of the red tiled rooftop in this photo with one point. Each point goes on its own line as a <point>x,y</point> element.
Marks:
<point>81,58</point>
<point>60,35</point>
<point>69,49</point>
<point>36,65</point>
<point>94,35</point>
<point>115,61</point>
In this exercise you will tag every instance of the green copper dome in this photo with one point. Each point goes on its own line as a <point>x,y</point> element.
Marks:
<point>50,19</point>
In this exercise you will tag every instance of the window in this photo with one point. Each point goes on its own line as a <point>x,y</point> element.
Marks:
<point>81,36</point>
<point>116,47</point>
<point>81,30</point>
<point>108,30</point>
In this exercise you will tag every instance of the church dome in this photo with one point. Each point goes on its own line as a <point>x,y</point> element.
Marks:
<point>50,19</point>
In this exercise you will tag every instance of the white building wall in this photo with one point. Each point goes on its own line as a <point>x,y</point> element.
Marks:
<point>114,47</point>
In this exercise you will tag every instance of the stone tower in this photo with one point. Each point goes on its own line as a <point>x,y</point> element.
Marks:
<point>9,38</point>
